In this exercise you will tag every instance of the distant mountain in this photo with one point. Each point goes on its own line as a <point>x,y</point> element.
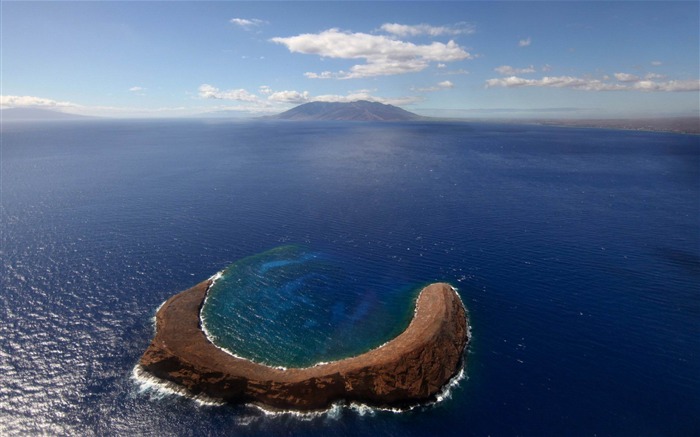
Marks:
<point>360,110</point>
<point>37,114</point>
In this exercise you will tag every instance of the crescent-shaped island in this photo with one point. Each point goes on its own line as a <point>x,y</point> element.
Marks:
<point>409,369</point>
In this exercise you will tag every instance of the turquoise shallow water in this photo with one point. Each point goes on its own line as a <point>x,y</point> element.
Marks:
<point>293,307</point>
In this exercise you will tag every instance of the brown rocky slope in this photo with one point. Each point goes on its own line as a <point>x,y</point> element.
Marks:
<point>411,368</point>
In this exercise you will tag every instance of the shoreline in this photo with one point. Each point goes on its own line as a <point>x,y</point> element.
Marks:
<point>411,368</point>
<point>675,125</point>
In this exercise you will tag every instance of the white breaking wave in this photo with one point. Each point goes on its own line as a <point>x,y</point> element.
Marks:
<point>154,319</point>
<point>160,388</point>
<point>216,277</point>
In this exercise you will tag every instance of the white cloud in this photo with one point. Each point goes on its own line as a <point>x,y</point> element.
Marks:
<point>525,42</point>
<point>656,63</point>
<point>404,30</point>
<point>136,89</point>
<point>671,85</point>
<point>289,97</point>
<point>321,75</point>
<point>207,91</point>
<point>364,95</point>
<point>507,70</point>
<point>546,68</point>
<point>547,81</point>
<point>296,97</point>
<point>444,85</point>
<point>626,83</point>
<point>281,99</point>
<point>26,101</point>
<point>106,111</point>
<point>382,55</point>
<point>247,23</point>
<point>626,77</point>
<point>385,67</point>
<point>441,65</point>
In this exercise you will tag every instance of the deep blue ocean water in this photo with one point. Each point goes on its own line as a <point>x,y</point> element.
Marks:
<point>576,252</point>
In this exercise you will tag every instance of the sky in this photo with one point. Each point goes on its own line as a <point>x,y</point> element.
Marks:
<point>517,59</point>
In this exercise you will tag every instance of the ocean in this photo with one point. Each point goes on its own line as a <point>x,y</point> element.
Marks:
<point>576,252</point>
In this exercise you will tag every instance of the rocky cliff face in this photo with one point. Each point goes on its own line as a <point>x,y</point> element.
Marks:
<point>411,368</point>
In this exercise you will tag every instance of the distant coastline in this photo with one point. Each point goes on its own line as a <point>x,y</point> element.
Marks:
<point>30,114</point>
<point>679,125</point>
<point>682,125</point>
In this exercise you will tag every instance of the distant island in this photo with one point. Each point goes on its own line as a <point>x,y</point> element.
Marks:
<point>38,114</point>
<point>684,125</point>
<point>411,368</point>
<point>360,110</point>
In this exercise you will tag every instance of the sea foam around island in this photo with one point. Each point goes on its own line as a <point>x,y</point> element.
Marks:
<point>159,389</point>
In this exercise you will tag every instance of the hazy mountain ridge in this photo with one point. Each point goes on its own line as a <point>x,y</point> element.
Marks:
<point>361,110</point>
<point>38,114</point>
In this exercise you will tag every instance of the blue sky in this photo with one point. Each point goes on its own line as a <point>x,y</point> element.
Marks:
<point>457,59</point>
